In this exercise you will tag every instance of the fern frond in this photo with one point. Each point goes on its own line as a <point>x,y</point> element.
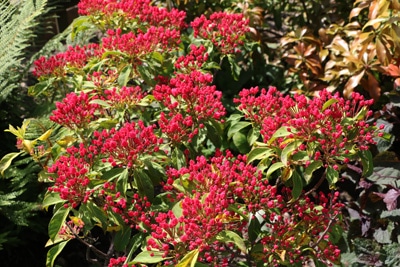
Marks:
<point>17,21</point>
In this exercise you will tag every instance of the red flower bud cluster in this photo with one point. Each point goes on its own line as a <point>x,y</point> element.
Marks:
<point>135,210</point>
<point>74,57</point>
<point>124,98</point>
<point>125,145</point>
<point>226,31</point>
<point>328,125</point>
<point>137,45</point>
<point>193,61</point>
<point>140,11</point>
<point>190,101</point>
<point>217,195</point>
<point>301,224</point>
<point>72,180</point>
<point>118,262</point>
<point>75,111</point>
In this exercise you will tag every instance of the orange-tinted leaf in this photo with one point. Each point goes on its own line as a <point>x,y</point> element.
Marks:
<point>392,70</point>
<point>396,84</point>
<point>382,52</point>
<point>371,85</point>
<point>354,80</point>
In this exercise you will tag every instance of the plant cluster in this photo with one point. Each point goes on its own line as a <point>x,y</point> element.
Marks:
<point>147,165</point>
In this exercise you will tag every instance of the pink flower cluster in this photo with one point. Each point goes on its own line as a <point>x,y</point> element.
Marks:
<point>124,98</point>
<point>135,210</point>
<point>125,145</point>
<point>74,57</point>
<point>140,10</point>
<point>310,121</point>
<point>72,176</point>
<point>218,193</point>
<point>154,39</point>
<point>75,111</point>
<point>118,262</point>
<point>193,61</point>
<point>301,224</point>
<point>226,31</point>
<point>190,102</point>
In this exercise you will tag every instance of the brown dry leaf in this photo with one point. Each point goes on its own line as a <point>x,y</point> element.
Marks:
<point>382,52</point>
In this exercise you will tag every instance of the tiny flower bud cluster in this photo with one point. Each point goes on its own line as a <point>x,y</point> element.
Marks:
<point>74,57</point>
<point>137,10</point>
<point>218,194</point>
<point>190,102</point>
<point>124,146</point>
<point>75,111</point>
<point>226,31</point>
<point>137,45</point>
<point>328,125</point>
<point>193,61</point>
<point>72,176</point>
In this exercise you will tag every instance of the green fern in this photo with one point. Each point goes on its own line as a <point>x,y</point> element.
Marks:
<point>17,20</point>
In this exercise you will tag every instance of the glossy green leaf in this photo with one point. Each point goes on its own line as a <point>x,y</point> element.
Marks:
<point>253,135</point>
<point>189,260</point>
<point>288,150</point>
<point>297,187</point>
<point>329,103</point>
<point>332,175</point>
<point>144,184</point>
<point>122,238</point>
<point>51,198</point>
<point>122,182</point>
<point>178,158</point>
<point>274,167</point>
<point>5,162</point>
<point>240,141</point>
<point>228,236</point>
<point>281,132</point>
<point>308,172</point>
<point>149,257</point>
<point>259,153</point>
<point>54,252</point>
<point>367,162</point>
<point>57,221</point>
<point>237,127</point>
<point>124,75</point>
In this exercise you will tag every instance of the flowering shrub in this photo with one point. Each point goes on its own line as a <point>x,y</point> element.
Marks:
<point>140,148</point>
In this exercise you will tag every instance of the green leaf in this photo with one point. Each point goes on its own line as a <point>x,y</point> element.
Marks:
<point>144,184</point>
<point>135,243</point>
<point>51,198</point>
<point>367,162</point>
<point>235,68</point>
<point>178,158</point>
<point>97,214</point>
<point>228,236</point>
<point>122,238</point>
<point>237,127</point>
<point>281,132</point>
<point>253,135</point>
<point>297,185</point>
<point>332,175</point>
<point>5,162</point>
<point>240,141</point>
<point>308,172</point>
<point>124,75</point>
<point>329,103</point>
<point>190,259</point>
<point>101,103</point>
<point>259,153</point>
<point>122,182</point>
<point>54,252</point>
<point>149,257</point>
<point>254,229</point>
<point>57,221</point>
<point>288,150</point>
<point>274,167</point>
